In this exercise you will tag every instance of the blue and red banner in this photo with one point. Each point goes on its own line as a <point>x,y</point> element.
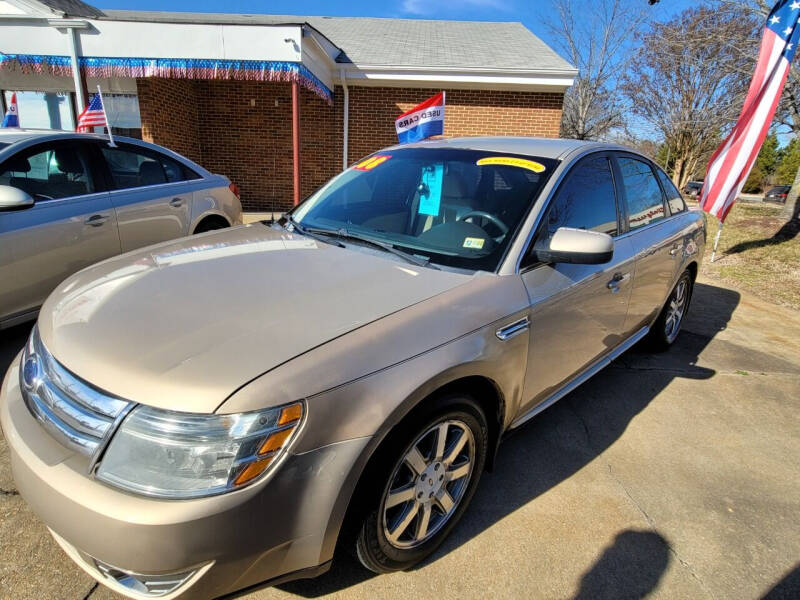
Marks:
<point>12,114</point>
<point>422,121</point>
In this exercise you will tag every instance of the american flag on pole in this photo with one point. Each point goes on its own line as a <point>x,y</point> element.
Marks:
<point>731,163</point>
<point>92,116</point>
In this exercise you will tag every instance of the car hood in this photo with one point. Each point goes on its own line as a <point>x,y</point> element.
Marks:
<point>182,325</point>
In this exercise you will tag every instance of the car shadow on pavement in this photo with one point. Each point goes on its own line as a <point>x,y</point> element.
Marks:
<point>787,588</point>
<point>567,437</point>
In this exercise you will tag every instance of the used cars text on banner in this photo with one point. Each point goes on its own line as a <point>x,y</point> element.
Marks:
<point>422,121</point>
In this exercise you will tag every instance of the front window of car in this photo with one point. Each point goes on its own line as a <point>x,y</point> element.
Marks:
<point>49,172</point>
<point>458,208</point>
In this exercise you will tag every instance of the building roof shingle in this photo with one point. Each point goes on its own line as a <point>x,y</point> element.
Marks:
<point>400,42</point>
<point>72,8</point>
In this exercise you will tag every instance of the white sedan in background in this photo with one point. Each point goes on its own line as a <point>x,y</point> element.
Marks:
<point>68,200</point>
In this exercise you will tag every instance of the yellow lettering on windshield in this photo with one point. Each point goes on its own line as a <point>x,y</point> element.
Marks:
<point>510,161</point>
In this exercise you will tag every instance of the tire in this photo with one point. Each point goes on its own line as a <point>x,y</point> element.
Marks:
<point>210,224</point>
<point>668,324</point>
<point>383,544</point>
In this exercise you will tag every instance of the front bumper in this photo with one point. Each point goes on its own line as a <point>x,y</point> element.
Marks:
<point>213,545</point>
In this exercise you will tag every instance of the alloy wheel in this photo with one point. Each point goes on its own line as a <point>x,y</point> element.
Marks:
<point>676,310</point>
<point>428,484</point>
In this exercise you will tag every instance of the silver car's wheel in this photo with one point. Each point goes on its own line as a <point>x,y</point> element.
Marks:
<point>420,482</point>
<point>668,325</point>
<point>676,306</point>
<point>428,484</point>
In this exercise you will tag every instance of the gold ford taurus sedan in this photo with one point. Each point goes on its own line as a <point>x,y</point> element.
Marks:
<point>203,415</point>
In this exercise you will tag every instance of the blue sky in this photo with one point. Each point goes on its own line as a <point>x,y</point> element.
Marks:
<point>530,12</point>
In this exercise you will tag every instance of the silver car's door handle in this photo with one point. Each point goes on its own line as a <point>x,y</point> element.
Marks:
<point>96,220</point>
<point>176,202</point>
<point>512,329</point>
<point>674,250</point>
<point>618,278</point>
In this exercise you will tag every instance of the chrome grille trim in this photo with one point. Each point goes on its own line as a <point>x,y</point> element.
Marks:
<point>77,415</point>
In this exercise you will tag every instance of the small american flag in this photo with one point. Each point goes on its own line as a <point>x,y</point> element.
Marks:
<point>731,163</point>
<point>92,116</point>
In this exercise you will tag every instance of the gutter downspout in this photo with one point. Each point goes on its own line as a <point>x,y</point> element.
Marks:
<point>345,118</point>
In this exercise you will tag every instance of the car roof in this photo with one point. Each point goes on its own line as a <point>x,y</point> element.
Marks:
<point>13,135</point>
<point>533,146</point>
<point>18,139</point>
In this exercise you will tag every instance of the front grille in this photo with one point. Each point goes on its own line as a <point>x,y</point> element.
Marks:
<point>76,414</point>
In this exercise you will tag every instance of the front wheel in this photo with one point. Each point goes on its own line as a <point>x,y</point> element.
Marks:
<point>668,325</point>
<point>426,486</point>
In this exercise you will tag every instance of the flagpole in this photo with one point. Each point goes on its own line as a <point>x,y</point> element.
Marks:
<point>111,143</point>
<point>716,241</point>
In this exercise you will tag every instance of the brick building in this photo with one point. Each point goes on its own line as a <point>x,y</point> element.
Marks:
<point>223,89</point>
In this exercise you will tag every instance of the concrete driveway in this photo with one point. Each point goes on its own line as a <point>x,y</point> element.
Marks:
<point>673,475</point>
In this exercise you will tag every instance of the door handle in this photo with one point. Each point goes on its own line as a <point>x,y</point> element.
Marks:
<point>176,202</point>
<point>618,278</point>
<point>674,250</point>
<point>96,220</point>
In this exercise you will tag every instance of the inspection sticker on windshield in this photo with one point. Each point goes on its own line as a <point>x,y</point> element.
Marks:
<point>510,161</point>
<point>474,243</point>
<point>372,162</point>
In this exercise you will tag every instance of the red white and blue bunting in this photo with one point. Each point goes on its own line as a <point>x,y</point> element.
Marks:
<point>172,68</point>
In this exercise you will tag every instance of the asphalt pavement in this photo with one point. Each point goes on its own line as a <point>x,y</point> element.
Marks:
<point>672,475</point>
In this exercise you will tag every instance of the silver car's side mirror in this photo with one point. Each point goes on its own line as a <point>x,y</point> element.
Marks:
<point>577,246</point>
<point>12,198</point>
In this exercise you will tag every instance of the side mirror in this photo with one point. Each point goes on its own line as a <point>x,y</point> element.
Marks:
<point>577,246</point>
<point>12,198</point>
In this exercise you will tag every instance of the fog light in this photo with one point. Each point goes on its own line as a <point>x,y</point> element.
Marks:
<point>152,586</point>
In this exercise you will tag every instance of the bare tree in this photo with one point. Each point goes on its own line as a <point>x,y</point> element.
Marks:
<point>686,80</point>
<point>595,42</point>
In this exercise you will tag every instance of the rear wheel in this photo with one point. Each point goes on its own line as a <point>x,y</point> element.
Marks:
<point>430,470</point>
<point>668,325</point>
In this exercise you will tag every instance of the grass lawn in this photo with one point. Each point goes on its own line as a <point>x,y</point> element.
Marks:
<point>758,252</point>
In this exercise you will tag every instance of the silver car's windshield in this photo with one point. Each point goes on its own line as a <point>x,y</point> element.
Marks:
<point>459,208</point>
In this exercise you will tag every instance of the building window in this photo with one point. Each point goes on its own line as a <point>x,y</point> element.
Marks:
<point>123,114</point>
<point>54,110</point>
<point>44,110</point>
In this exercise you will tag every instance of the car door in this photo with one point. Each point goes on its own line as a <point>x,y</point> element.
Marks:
<point>71,224</point>
<point>577,311</point>
<point>656,239</point>
<point>150,198</point>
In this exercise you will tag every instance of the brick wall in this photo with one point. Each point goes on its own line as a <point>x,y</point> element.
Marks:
<point>242,129</point>
<point>168,109</point>
<point>469,113</point>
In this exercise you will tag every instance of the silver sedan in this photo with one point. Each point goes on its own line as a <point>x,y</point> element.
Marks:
<point>69,200</point>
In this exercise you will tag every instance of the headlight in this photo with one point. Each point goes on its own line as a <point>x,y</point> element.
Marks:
<point>182,455</point>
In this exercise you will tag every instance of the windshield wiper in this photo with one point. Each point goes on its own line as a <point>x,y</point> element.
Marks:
<point>388,247</point>
<point>315,233</point>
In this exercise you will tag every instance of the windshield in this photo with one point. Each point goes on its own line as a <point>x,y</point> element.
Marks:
<point>458,208</point>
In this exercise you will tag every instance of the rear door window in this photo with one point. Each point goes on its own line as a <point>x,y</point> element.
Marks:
<point>643,196</point>
<point>133,167</point>
<point>49,172</point>
<point>674,198</point>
